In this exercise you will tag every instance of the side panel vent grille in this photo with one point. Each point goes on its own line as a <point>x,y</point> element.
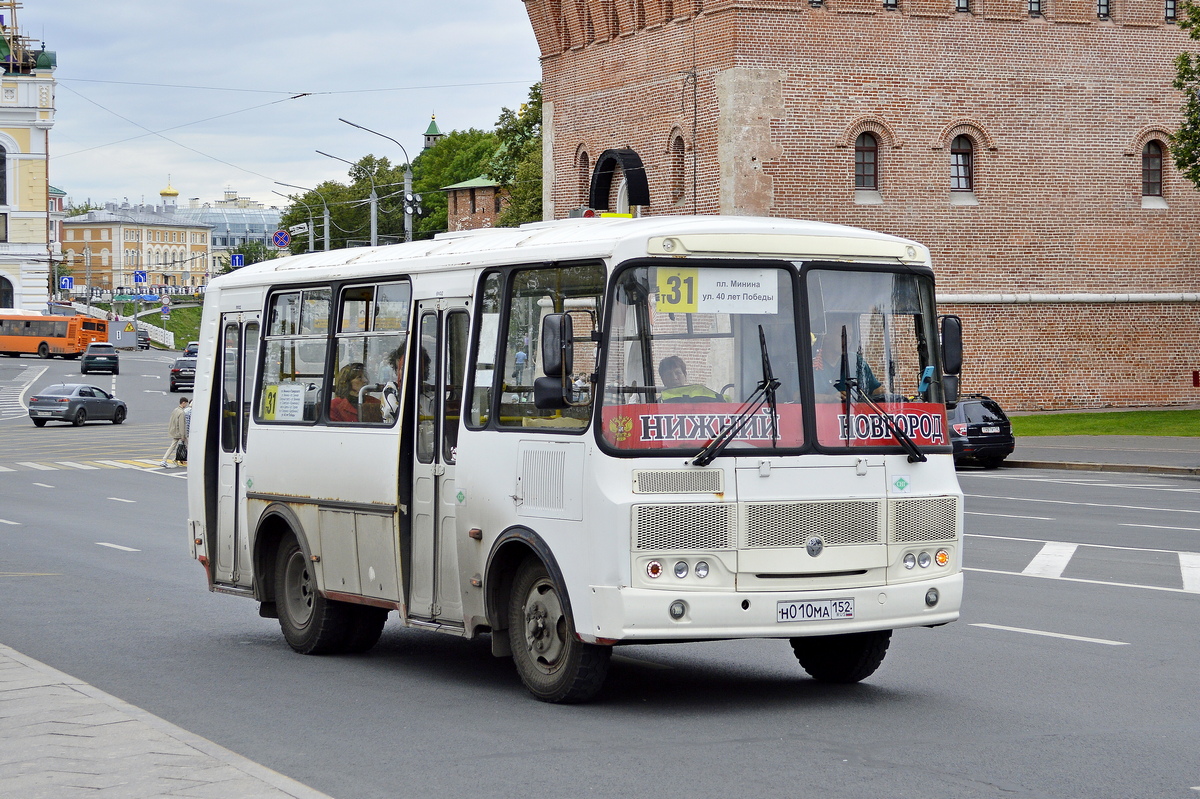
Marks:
<point>924,519</point>
<point>701,526</point>
<point>791,524</point>
<point>678,481</point>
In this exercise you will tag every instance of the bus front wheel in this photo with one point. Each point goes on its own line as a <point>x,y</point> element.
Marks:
<point>554,665</point>
<point>842,658</point>
<point>311,624</point>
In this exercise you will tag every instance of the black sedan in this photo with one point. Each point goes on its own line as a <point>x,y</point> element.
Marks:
<point>183,373</point>
<point>980,431</point>
<point>75,403</point>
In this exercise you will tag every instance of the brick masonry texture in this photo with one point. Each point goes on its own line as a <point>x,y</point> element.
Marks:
<point>753,107</point>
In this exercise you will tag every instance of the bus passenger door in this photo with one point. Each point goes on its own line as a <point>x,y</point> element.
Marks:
<point>441,347</point>
<point>236,360</point>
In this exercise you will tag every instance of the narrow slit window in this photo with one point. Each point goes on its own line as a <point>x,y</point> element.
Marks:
<point>1152,169</point>
<point>866,162</point>
<point>962,164</point>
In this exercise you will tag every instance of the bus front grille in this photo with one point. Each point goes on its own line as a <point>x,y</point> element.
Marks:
<point>791,524</point>
<point>699,526</point>
<point>678,481</point>
<point>923,519</point>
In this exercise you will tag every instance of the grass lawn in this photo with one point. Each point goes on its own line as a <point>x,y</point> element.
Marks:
<point>1113,423</point>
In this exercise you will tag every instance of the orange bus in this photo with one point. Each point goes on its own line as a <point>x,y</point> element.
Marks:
<point>64,336</point>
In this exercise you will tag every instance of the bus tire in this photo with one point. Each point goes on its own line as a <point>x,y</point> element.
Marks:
<point>312,624</point>
<point>848,658</point>
<point>554,665</point>
<point>43,350</point>
<point>366,627</point>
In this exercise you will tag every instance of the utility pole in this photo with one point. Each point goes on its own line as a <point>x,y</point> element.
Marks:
<point>374,198</point>
<point>412,202</point>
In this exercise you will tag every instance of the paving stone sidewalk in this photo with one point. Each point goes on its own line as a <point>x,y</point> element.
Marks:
<point>61,738</point>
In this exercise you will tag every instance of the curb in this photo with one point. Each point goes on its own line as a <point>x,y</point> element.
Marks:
<point>1179,471</point>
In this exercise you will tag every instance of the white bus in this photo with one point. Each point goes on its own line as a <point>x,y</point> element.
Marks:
<point>586,433</point>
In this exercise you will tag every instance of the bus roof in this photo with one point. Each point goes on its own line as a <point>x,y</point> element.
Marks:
<point>662,236</point>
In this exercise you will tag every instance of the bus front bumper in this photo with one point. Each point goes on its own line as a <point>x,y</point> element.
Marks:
<point>621,614</point>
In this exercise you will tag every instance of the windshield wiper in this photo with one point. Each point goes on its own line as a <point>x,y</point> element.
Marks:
<point>763,394</point>
<point>915,455</point>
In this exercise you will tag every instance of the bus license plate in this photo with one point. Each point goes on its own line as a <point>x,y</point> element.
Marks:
<point>991,429</point>
<point>819,610</point>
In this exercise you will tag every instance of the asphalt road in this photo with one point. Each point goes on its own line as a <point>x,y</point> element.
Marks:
<point>1072,673</point>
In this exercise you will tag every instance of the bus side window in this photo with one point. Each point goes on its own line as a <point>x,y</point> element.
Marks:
<point>485,354</point>
<point>292,387</point>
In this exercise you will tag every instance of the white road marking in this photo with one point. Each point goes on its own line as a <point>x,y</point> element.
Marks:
<point>1162,527</point>
<point>75,465</point>
<point>1104,641</point>
<point>6,521</point>
<point>1082,580</point>
<point>1084,504</point>
<point>1189,565</point>
<point>1009,516</point>
<point>118,499</point>
<point>43,485</point>
<point>147,461</point>
<point>1089,546</point>
<point>6,469</point>
<point>117,546</point>
<point>1052,560</point>
<point>118,464</point>
<point>39,466</point>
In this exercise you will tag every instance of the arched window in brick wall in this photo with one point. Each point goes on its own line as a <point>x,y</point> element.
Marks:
<point>585,178</point>
<point>866,162</point>
<point>678,170</point>
<point>962,164</point>
<point>1152,169</point>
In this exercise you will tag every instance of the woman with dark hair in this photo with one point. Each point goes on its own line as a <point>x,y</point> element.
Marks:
<point>344,407</point>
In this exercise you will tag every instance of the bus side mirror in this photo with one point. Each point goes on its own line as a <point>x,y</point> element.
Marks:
<point>952,349</point>
<point>950,389</point>
<point>558,356</point>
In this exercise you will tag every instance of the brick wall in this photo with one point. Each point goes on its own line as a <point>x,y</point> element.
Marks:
<point>758,104</point>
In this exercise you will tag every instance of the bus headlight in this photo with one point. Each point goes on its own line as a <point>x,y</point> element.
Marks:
<point>910,560</point>
<point>923,560</point>
<point>681,569</point>
<point>702,569</point>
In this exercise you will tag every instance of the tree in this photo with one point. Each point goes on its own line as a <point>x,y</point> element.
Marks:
<point>517,165</point>
<point>460,155</point>
<point>1185,142</point>
<point>87,205</point>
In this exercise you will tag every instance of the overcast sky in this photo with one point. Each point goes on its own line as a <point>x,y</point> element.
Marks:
<point>203,92</point>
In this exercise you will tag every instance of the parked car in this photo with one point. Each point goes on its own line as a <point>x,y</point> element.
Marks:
<point>980,431</point>
<point>143,338</point>
<point>75,403</point>
<point>100,358</point>
<point>192,349</point>
<point>183,373</point>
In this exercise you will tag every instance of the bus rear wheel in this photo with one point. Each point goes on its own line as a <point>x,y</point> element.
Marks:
<point>43,350</point>
<point>843,659</point>
<point>554,665</point>
<point>311,624</point>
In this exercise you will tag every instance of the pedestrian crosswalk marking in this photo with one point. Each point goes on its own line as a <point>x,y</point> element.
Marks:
<point>1052,560</point>
<point>1189,564</point>
<point>74,465</point>
<point>6,469</point>
<point>90,465</point>
<point>39,466</point>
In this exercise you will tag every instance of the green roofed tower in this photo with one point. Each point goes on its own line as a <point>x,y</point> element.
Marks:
<point>433,134</point>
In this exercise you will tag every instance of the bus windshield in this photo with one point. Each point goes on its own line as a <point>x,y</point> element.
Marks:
<point>685,353</point>
<point>873,355</point>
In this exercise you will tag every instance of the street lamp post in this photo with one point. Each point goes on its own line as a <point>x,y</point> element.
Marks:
<point>322,199</point>
<point>374,198</point>
<point>412,202</point>
<point>310,216</point>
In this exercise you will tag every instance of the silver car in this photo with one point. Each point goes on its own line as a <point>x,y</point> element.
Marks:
<point>75,403</point>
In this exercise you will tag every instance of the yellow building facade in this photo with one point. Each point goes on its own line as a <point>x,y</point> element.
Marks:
<point>28,240</point>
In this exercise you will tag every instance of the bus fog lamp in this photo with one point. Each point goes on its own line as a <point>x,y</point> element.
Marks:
<point>702,569</point>
<point>941,557</point>
<point>654,569</point>
<point>678,609</point>
<point>681,569</point>
<point>931,597</point>
<point>910,560</point>
<point>923,560</point>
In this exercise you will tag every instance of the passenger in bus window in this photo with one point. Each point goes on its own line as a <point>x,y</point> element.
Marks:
<point>345,405</point>
<point>673,372</point>
<point>827,366</point>
<point>390,404</point>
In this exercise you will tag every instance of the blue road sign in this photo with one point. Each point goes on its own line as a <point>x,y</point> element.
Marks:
<point>237,259</point>
<point>66,282</point>
<point>282,238</point>
<point>139,276</point>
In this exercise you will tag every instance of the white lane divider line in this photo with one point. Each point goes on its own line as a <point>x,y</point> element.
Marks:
<point>74,465</point>
<point>6,469</point>
<point>39,466</point>
<point>118,499</point>
<point>1052,560</point>
<point>1009,516</point>
<point>43,485</point>
<point>6,521</point>
<point>1104,641</point>
<point>1163,527</point>
<point>117,546</point>
<point>1189,565</point>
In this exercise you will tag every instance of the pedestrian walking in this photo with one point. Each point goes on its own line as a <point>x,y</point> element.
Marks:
<point>177,429</point>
